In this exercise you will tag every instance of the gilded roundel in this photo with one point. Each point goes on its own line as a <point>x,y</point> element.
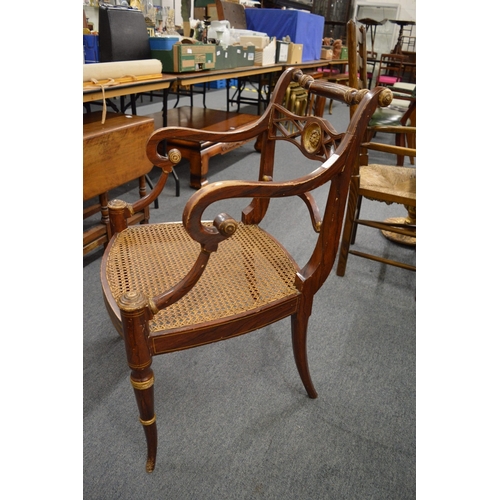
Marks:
<point>174,155</point>
<point>311,137</point>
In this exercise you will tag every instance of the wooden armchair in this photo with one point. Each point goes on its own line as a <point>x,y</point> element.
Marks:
<point>175,286</point>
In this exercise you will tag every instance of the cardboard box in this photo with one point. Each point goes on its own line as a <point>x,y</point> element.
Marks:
<point>267,55</point>
<point>224,57</point>
<point>258,41</point>
<point>199,12</point>
<point>245,56</point>
<point>295,53</point>
<point>212,12</point>
<point>194,57</point>
<point>234,56</point>
<point>186,57</point>
<point>326,54</point>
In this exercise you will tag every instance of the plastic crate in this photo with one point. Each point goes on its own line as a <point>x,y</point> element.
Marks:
<point>216,84</point>
<point>91,48</point>
<point>162,42</point>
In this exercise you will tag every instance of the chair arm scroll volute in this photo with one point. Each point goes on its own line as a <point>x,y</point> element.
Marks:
<point>225,227</point>
<point>225,224</point>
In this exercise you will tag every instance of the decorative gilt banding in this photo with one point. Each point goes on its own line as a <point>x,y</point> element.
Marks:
<point>305,81</point>
<point>152,307</point>
<point>142,386</point>
<point>117,204</point>
<point>139,367</point>
<point>132,301</point>
<point>121,205</point>
<point>147,422</point>
<point>361,93</point>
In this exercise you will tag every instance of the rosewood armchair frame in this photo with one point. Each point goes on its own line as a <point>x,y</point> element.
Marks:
<point>159,308</point>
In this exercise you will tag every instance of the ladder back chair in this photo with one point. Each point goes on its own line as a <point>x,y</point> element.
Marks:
<point>386,183</point>
<point>390,69</point>
<point>356,76</point>
<point>177,285</point>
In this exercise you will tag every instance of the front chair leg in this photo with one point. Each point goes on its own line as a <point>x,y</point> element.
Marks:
<point>135,315</point>
<point>142,382</point>
<point>299,341</point>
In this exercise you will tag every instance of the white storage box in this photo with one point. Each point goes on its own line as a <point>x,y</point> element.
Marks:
<point>259,41</point>
<point>267,55</point>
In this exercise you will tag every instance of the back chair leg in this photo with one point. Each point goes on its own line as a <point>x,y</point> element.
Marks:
<point>356,218</point>
<point>299,342</point>
<point>349,231</point>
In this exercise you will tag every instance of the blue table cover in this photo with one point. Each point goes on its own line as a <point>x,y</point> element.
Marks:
<point>301,27</point>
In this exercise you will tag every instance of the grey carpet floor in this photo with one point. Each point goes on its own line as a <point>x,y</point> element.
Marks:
<point>234,421</point>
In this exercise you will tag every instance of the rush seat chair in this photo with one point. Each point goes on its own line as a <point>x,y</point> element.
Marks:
<point>178,285</point>
<point>386,183</point>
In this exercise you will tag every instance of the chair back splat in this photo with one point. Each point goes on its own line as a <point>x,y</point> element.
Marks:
<point>174,286</point>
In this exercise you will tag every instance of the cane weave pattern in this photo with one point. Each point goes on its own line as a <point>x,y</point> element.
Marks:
<point>247,271</point>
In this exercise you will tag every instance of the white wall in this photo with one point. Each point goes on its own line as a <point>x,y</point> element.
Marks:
<point>408,8</point>
<point>387,34</point>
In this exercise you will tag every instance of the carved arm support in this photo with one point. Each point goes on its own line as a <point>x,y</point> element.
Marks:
<point>120,211</point>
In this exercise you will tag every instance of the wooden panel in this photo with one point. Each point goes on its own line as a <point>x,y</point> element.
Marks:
<point>113,153</point>
<point>204,118</point>
<point>232,12</point>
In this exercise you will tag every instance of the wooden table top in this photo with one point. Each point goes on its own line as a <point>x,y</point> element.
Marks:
<point>95,93</point>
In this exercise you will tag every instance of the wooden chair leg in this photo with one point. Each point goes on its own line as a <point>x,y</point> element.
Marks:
<point>355,219</point>
<point>411,143</point>
<point>400,141</point>
<point>349,231</point>
<point>299,341</point>
<point>135,315</point>
<point>142,382</point>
